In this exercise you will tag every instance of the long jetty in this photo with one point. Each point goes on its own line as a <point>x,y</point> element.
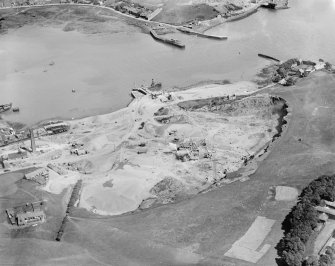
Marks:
<point>268,57</point>
<point>203,35</point>
<point>166,40</point>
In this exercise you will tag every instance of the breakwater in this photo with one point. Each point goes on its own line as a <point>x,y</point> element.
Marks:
<point>199,34</point>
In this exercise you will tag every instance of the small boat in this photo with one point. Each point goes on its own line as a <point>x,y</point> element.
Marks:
<point>73,90</point>
<point>16,109</point>
<point>5,107</point>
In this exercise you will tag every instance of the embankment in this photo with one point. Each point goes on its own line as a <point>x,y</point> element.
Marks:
<point>72,203</point>
<point>282,111</point>
<point>251,163</point>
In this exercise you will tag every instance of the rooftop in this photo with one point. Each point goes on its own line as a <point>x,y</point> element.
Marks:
<point>327,210</point>
<point>24,215</point>
<point>330,203</point>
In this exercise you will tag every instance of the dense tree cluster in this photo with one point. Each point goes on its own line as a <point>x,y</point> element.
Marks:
<point>300,223</point>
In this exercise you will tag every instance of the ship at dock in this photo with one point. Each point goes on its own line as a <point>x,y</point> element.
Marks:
<point>171,41</point>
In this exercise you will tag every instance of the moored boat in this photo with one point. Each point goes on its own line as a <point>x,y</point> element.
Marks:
<point>171,41</point>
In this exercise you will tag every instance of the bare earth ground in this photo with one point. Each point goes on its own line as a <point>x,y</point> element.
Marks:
<point>200,230</point>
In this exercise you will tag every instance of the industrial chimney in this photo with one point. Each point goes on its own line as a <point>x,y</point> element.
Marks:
<point>32,140</point>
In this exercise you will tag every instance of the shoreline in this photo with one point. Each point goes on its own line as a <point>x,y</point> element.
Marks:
<point>147,25</point>
<point>139,140</point>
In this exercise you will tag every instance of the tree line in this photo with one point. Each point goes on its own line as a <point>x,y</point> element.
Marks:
<point>70,206</point>
<point>301,222</point>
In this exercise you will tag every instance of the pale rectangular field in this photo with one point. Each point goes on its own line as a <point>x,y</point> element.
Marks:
<point>246,247</point>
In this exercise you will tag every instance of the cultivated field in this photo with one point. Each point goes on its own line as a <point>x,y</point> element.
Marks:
<point>246,248</point>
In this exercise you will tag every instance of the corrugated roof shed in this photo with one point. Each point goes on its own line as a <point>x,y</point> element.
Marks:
<point>327,210</point>
<point>330,203</point>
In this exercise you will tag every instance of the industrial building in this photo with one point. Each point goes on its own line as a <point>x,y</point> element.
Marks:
<point>30,218</point>
<point>40,176</point>
<point>27,214</point>
<point>57,128</point>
